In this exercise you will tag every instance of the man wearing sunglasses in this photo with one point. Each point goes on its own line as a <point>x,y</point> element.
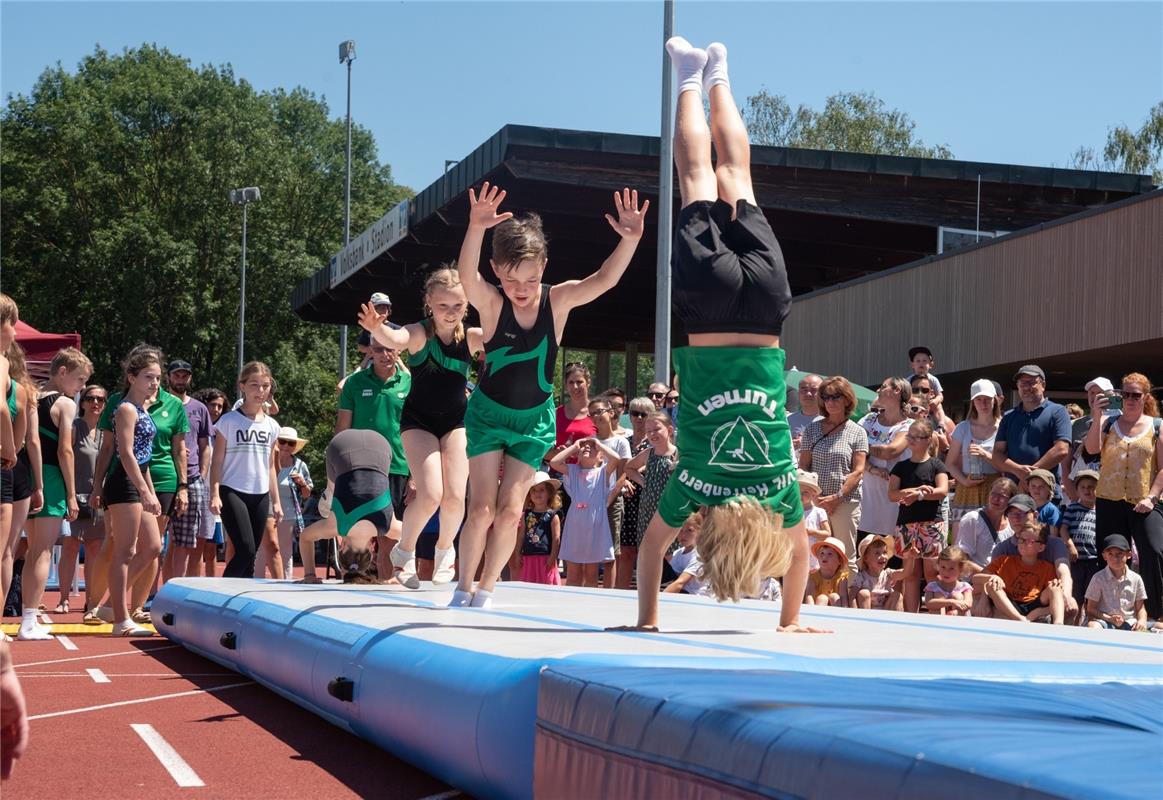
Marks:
<point>657,394</point>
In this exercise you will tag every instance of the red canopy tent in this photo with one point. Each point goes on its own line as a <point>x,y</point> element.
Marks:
<point>39,348</point>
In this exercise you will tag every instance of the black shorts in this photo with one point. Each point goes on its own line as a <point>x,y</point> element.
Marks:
<point>118,488</point>
<point>439,425</point>
<point>353,489</point>
<point>729,274</point>
<point>1025,608</point>
<point>6,487</point>
<point>22,477</point>
<point>399,487</point>
<point>166,501</point>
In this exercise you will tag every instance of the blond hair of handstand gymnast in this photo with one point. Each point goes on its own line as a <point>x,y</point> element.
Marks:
<point>730,288</point>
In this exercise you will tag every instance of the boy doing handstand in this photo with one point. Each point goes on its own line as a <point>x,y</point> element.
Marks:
<point>510,417</point>
<point>730,288</point>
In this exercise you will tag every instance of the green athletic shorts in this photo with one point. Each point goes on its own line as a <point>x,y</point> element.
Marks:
<point>55,497</point>
<point>525,434</point>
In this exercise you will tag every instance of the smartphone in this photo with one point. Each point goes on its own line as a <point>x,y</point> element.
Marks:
<point>1116,402</point>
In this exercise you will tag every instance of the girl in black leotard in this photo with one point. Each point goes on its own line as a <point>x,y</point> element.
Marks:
<point>440,350</point>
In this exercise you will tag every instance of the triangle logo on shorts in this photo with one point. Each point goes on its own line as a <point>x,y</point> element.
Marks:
<point>739,446</point>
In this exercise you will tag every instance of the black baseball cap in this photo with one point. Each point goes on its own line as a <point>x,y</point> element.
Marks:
<point>1116,540</point>
<point>1022,501</point>
<point>915,351</point>
<point>364,340</point>
<point>177,365</point>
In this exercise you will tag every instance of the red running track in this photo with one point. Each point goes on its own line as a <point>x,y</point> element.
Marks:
<point>235,737</point>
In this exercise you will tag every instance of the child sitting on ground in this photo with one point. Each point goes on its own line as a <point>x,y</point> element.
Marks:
<point>875,585</point>
<point>1116,595</point>
<point>685,561</point>
<point>1023,587</point>
<point>949,595</point>
<point>1041,487</point>
<point>1078,531</point>
<point>828,585</point>
<point>815,517</point>
<point>586,542</point>
<point>541,532</point>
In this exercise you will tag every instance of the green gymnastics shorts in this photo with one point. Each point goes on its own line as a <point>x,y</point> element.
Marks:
<point>524,434</point>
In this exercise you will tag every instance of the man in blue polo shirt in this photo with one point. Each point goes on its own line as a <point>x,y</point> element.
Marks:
<point>1034,434</point>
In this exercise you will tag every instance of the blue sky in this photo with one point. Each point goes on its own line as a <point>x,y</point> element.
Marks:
<point>1019,83</point>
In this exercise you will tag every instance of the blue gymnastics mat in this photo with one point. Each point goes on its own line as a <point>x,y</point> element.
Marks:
<point>456,691</point>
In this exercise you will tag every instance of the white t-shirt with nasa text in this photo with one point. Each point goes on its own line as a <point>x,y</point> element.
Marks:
<point>249,442</point>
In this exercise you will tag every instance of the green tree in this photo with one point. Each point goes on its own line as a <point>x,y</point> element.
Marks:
<point>856,122</point>
<point>1137,152</point>
<point>117,221</point>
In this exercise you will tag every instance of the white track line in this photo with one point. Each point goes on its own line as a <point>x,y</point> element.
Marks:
<point>98,655</point>
<point>66,642</point>
<point>104,706</point>
<point>166,675</point>
<point>98,676</point>
<point>182,773</point>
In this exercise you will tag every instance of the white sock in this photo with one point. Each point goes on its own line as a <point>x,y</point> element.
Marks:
<point>716,70</point>
<point>688,64</point>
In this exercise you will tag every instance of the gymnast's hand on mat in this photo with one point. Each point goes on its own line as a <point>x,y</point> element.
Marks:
<point>637,628</point>
<point>310,579</point>
<point>482,212</point>
<point>631,220</point>
<point>795,627</point>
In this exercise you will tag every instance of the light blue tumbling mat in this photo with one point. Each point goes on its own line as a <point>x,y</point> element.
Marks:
<point>535,694</point>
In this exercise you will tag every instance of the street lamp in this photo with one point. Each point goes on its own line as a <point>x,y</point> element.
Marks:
<point>346,56</point>
<point>243,197</point>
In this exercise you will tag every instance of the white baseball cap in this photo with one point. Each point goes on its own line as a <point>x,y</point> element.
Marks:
<point>1101,383</point>
<point>982,388</point>
<point>381,299</point>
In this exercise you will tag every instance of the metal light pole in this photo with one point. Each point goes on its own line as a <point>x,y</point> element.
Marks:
<point>243,197</point>
<point>346,56</point>
<point>665,205</point>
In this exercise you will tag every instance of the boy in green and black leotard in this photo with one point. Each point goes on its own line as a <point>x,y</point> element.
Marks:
<point>731,291</point>
<point>510,417</point>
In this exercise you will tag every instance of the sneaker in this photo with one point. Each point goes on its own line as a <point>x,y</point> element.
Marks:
<point>482,599</point>
<point>444,566</point>
<point>130,628</point>
<point>104,613</point>
<point>406,563</point>
<point>460,599</point>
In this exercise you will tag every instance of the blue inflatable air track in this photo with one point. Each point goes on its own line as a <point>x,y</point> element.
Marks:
<point>455,691</point>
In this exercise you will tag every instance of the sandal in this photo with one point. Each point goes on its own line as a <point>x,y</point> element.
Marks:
<point>141,616</point>
<point>91,618</point>
<point>129,628</point>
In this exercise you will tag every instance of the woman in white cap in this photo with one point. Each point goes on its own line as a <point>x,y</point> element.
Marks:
<point>294,479</point>
<point>971,453</point>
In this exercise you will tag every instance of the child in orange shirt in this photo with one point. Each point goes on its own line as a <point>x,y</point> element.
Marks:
<point>1023,587</point>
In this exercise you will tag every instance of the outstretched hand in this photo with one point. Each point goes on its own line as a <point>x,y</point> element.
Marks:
<point>631,220</point>
<point>370,319</point>
<point>797,628</point>
<point>483,209</point>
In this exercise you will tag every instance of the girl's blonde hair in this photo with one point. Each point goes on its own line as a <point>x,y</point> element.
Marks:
<point>742,543</point>
<point>70,358</point>
<point>445,277</point>
<point>18,369</point>
<point>662,417</point>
